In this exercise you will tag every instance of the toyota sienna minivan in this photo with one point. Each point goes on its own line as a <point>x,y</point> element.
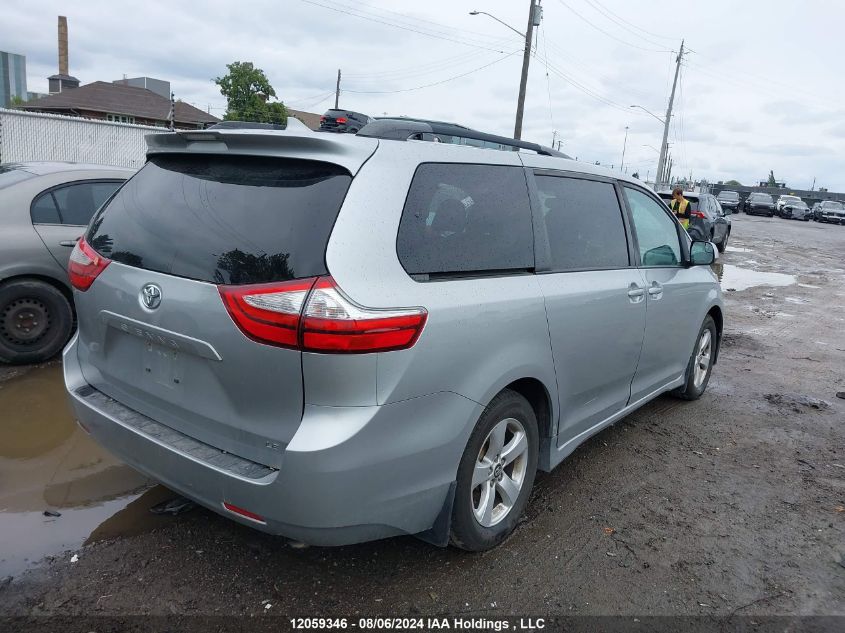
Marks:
<point>341,338</point>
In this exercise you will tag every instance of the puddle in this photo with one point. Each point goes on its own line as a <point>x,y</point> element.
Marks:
<point>809,286</point>
<point>738,249</point>
<point>797,300</point>
<point>48,463</point>
<point>736,278</point>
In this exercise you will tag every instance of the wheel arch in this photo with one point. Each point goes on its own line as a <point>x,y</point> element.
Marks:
<point>51,281</point>
<point>718,318</point>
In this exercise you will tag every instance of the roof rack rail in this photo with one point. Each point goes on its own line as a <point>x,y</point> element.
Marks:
<point>245,125</point>
<point>404,129</point>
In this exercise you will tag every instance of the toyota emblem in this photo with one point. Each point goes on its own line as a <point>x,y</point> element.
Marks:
<point>151,296</point>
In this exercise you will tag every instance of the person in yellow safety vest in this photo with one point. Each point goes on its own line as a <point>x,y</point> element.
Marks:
<point>681,207</point>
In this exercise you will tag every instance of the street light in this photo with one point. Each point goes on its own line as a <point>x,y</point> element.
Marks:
<point>490,15</point>
<point>662,122</point>
<point>535,14</point>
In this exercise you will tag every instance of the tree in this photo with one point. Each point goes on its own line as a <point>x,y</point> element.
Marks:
<point>247,91</point>
<point>17,100</point>
<point>772,182</point>
<point>734,183</point>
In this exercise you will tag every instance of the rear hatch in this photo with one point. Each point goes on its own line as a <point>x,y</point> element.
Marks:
<point>335,120</point>
<point>154,331</point>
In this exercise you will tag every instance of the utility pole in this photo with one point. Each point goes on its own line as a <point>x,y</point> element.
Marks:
<point>662,160</point>
<point>535,14</point>
<point>624,145</point>
<point>337,90</point>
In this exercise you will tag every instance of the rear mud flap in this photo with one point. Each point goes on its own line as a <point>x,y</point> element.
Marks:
<point>438,534</point>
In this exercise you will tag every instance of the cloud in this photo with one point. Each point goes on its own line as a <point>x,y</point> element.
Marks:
<point>740,110</point>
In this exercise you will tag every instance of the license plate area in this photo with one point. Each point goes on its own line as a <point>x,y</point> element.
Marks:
<point>163,366</point>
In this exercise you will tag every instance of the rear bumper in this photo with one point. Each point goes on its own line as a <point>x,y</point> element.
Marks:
<point>350,474</point>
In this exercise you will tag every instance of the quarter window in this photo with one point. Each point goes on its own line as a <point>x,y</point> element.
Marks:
<point>44,211</point>
<point>583,223</point>
<point>657,232</point>
<point>466,219</point>
<point>78,202</point>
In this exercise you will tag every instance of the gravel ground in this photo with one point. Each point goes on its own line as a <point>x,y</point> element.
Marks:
<point>730,505</point>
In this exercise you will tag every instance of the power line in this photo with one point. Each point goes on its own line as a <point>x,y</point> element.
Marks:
<point>398,26</point>
<point>610,35</point>
<point>436,83</point>
<point>603,9</point>
<point>418,70</point>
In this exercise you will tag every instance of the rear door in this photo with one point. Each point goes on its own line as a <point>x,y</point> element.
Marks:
<point>183,226</point>
<point>595,297</point>
<point>60,214</point>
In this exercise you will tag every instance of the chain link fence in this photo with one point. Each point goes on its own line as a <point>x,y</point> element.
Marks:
<point>34,136</point>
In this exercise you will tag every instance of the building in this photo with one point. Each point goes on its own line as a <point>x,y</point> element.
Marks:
<point>311,120</point>
<point>121,103</point>
<point>12,78</point>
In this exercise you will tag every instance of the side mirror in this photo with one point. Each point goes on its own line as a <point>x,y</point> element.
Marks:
<point>702,253</point>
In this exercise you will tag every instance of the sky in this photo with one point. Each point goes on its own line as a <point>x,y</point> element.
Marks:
<point>759,90</point>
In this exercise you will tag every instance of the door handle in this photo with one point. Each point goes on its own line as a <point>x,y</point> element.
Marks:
<point>70,243</point>
<point>656,290</point>
<point>635,293</point>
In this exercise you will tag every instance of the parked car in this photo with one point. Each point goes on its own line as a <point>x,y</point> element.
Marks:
<point>343,121</point>
<point>423,328</point>
<point>783,201</point>
<point>829,211</point>
<point>796,210</point>
<point>708,221</point>
<point>729,201</point>
<point>45,207</point>
<point>759,204</point>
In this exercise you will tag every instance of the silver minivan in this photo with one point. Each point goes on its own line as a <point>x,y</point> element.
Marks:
<point>341,338</point>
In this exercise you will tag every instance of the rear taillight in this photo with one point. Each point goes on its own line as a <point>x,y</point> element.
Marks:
<point>314,315</point>
<point>85,265</point>
<point>341,119</point>
<point>698,214</point>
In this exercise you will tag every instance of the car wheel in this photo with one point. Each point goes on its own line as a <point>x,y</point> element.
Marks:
<point>35,321</point>
<point>495,474</point>
<point>700,363</point>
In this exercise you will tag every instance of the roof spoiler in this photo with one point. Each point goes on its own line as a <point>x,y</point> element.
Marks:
<point>420,130</point>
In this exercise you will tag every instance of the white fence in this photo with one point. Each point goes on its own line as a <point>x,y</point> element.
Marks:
<point>28,136</point>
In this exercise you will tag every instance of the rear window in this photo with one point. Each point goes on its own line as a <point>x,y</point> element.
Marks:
<point>667,198</point>
<point>466,219</point>
<point>224,219</point>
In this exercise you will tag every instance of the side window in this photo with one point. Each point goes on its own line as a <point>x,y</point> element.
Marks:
<point>466,218</point>
<point>78,202</point>
<point>657,233</point>
<point>43,210</point>
<point>583,222</point>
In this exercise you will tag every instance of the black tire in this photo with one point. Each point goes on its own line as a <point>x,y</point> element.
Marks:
<point>35,321</point>
<point>690,390</point>
<point>723,244</point>
<point>466,531</point>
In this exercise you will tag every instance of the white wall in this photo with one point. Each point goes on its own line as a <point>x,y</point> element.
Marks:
<point>31,136</point>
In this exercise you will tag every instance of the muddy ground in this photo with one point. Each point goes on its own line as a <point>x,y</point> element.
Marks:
<point>734,504</point>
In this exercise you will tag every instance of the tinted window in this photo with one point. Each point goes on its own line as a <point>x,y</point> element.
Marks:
<point>43,210</point>
<point>693,200</point>
<point>78,202</point>
<point>583,223</point>
<point>761,197</point>
<point>229,220</point>
<point>466,218</point>
<point>657,233</point>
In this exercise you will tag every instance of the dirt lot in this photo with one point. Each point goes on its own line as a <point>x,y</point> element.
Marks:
<point>734,504</point>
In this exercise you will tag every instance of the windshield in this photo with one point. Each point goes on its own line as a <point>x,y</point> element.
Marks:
<point>728,195</point>
<point>760,197</point>
<point>832,205</point>
<point>798,203</point>
<point>791,198</point>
